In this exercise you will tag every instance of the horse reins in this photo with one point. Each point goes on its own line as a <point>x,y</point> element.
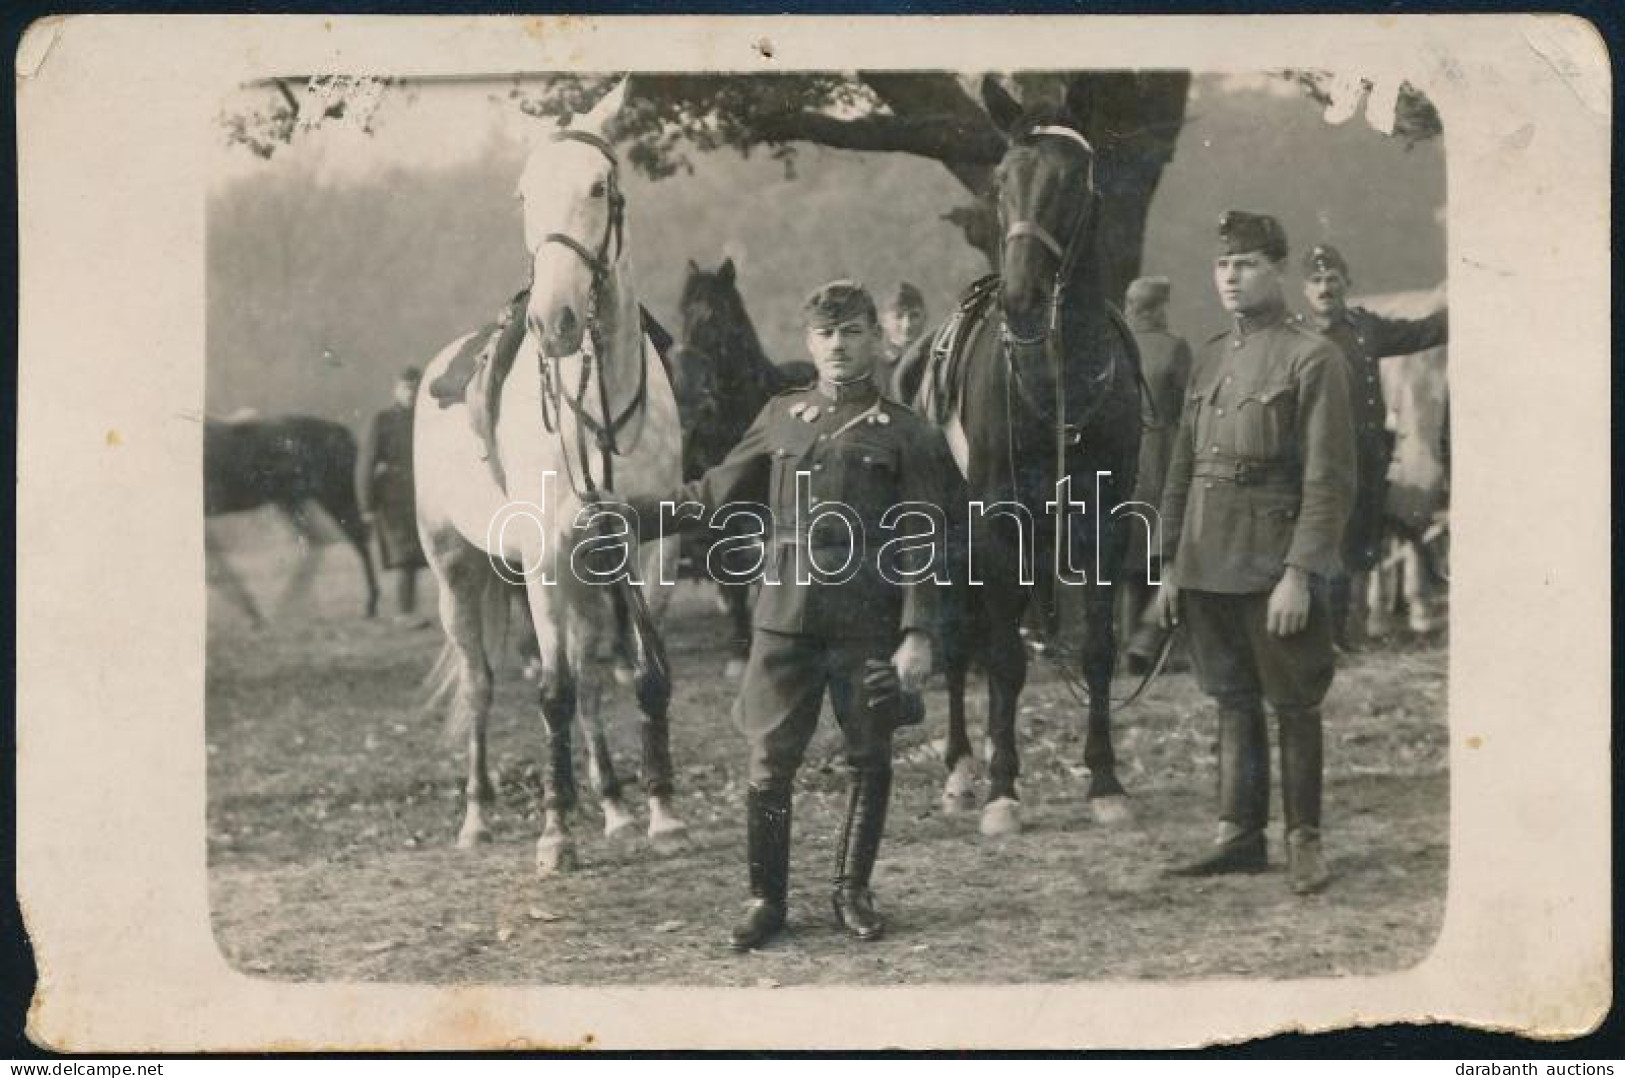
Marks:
<point>1051,340</point>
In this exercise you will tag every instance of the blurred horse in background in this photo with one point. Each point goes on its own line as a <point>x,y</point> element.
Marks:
<point>723,378</point>
<point>1415,566</point>
<point>288,463</point>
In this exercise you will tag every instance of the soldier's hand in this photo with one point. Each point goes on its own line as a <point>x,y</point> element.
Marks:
<point>1288,610</point>
<point>1168,605</point>
<point>913,661</point>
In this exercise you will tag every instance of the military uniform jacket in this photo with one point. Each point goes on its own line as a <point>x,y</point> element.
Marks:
<point>1364,339</point>
<point>385,488</point>
<point>1262,474</point>
<point>864,450</point>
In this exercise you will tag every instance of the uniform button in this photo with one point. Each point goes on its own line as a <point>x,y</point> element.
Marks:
<point>1218,411</point>
<point>1208,486</point>
<point>818,467</point>
<point>1212,449</point>
<point>823,437</point>
<point>1229,378</point>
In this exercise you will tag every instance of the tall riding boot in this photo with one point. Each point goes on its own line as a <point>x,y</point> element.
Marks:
<point>767,830</point>
<point>855,855</point>
<point>1301,773</point>
<point>1244,795</point>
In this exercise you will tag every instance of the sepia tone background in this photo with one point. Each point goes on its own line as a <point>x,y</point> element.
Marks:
<point>109,408</point>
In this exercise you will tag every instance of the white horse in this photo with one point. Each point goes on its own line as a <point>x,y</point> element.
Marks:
<point>586,395</point>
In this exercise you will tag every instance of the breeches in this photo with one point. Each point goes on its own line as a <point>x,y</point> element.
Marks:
<point>1238,660</point>
<point>783,693</point>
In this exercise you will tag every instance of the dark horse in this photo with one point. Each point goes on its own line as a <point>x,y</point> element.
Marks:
<point>722,378</point>
<point>1049,390</point>
<point>287,463</point>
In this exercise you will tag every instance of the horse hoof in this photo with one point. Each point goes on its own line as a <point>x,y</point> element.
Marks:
<point>555,854</point>
<point>473,835</point>
<point>1112,810</point>
<point>734,670</point>
<point>624,674</point>
<point>618,822</point>
<point>1001,817</point>
<point>959,791</point>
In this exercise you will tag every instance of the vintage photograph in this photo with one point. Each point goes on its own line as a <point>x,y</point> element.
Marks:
<point>826,528</point>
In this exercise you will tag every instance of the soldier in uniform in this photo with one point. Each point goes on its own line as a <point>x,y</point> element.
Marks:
<point>1364,339</point>
<point>387,496</point>
<point>865,638</point>
<point>1165,361</point>
<point>1257,496</point>
<point>902,319</point>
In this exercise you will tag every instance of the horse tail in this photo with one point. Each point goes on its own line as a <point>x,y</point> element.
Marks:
<point>445,676</point>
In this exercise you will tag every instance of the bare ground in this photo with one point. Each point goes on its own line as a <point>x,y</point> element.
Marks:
<point>332,804</point>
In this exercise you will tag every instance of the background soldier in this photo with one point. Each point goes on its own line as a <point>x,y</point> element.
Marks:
<point>865,639</point>
<point>902,320</point>
<point>1165,361</point>
<point>388,499</point>
<point>1364,339</point>
<point>1257,497</point>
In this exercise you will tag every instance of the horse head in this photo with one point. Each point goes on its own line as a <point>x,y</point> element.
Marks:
<point>1047,207</point>
<point>1048,210</point>
<point>574,223</point>
<point>718,335</point>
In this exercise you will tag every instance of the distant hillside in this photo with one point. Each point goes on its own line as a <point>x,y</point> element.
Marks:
<point>385,271</point>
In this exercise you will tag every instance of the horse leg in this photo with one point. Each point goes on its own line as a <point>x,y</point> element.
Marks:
<point>221,572</point>
<point>652,684</point>
<point>600,761</point>
<point>959,791</point>
<point>310,556</point>
<point>1107,799</point>
<point>340,505</point>
<point>555,849</point>
<point>465,589</point>
<point>737,597</point>
<point>1006,676</point>
<point>556,689</point>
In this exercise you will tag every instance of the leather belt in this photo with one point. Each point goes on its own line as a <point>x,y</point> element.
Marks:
<point>1247,473</point>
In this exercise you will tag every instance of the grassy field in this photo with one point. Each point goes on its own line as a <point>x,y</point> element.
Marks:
<point>332,804</point>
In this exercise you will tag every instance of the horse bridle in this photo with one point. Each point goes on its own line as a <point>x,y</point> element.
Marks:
<point>600,263</point>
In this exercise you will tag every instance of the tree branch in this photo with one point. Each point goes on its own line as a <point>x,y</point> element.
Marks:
<point>937,136</point>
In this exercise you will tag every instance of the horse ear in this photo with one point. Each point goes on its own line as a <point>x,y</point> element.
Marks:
<point>693,268</point>
<point>1005,110</point>
<point>726,271</point>
<point>601,115</point>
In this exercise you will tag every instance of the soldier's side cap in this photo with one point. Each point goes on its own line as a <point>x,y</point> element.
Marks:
<point>1324,258</point>
<point>410,374</point>
<point>838,301</point>
<point>905,298</point>
<point>1241,232</point>
<point>1145,293</point>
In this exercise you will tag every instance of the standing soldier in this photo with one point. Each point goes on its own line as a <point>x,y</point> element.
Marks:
<point>1364,338</point>
<point>1165,361</point>
<point>903,320</point>
<point>829,461</point>
<point>387,496</point>
<point>1257,497</point>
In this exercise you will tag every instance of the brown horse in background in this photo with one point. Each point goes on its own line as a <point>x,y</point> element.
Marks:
<point>722,378</point>
<point>287,462</point>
